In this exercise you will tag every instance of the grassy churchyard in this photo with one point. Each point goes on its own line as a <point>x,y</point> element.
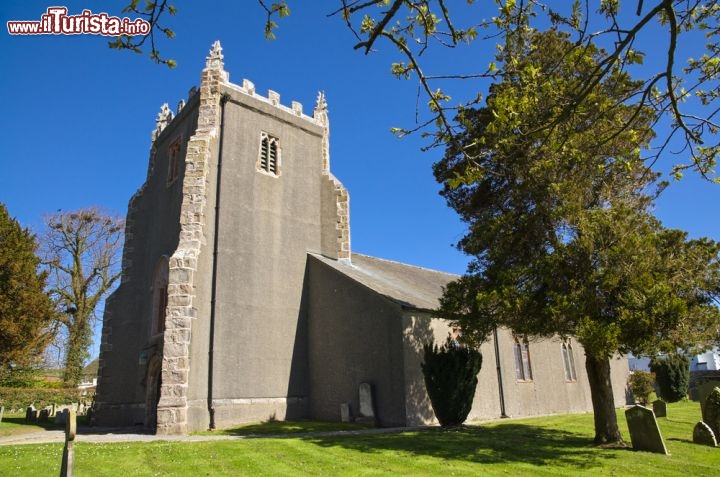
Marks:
<point>556,445</point>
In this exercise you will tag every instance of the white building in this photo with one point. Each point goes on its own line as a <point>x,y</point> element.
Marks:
<point>708,361</point>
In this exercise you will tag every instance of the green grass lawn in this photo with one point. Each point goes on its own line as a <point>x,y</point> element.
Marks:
<point>552,446</point>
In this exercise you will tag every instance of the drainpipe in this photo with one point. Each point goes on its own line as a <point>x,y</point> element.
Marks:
<point>213,296</point>
<point>499,374</point>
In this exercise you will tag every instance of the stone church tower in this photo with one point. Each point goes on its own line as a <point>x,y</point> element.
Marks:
<point>209,324</point>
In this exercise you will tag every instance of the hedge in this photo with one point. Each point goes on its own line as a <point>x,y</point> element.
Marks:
<point>20,398</point>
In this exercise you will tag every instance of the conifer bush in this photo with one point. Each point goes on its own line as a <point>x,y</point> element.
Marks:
<point>672,375</point>
<point>450,373</point>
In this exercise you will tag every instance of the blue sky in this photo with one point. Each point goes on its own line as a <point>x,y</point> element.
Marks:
<point>77,119</point>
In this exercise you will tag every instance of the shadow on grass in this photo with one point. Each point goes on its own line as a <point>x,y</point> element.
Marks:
<point>521,443</point>
<point>687,441</point>
<point>36,425</point>
<point>287,427</point>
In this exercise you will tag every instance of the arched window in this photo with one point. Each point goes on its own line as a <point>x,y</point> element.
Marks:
<point>160,296</point>
<point>174,160</point>
<point>523,367</point>
<point>568,361</point>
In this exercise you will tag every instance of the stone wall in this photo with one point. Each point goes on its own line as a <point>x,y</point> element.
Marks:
<point>181,309</point>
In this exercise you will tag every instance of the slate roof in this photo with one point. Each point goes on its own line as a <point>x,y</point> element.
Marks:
<point>409,286</point>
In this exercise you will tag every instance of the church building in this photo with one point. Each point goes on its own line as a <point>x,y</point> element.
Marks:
<point>241,300</point>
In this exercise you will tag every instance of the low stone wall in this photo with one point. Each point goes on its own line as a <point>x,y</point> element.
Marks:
<point>697,378</point>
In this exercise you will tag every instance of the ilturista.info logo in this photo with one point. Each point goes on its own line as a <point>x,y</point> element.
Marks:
<point>56,21</point>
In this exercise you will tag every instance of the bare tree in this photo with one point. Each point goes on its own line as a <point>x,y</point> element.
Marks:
<point>81,251</point>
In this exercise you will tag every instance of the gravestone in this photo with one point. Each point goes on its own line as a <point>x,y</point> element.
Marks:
<point>60,416</point>
<point>711,414</point>
<point>44,415</point>
<point>367,410</point>
<point>29,413</point>
<point>702,434</point>
<point>644,430</point>
<point>68,458</point>
<point>345,412</point>
<point>704,391</point>
<point>660,408</point>
<point>2,411</point>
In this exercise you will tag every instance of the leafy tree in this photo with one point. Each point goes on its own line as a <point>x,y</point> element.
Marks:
<point>672,374</point>
<point>641,385</point>
<point>562,236</point>
<point>81,253</point>
<point>450,373</point>
<point>26,311</point>
<point>687,95</point>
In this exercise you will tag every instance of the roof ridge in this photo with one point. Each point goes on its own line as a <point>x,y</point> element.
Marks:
<point>406,264</point>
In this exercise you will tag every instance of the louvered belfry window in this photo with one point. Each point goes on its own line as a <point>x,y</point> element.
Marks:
<point>269,161</point>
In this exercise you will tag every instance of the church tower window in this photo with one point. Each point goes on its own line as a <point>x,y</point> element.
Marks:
<point>269,160</point>
<point>160,296</point>
<point>173,160</point>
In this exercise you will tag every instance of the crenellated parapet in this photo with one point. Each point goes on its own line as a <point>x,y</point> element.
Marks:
<point>273,98</point>
<point>215,62</point>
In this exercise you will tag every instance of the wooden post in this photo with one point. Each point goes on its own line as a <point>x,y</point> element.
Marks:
<point>68,459</point>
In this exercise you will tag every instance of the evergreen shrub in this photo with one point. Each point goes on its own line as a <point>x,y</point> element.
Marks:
<point>672,374</point>
<point>450,373</point>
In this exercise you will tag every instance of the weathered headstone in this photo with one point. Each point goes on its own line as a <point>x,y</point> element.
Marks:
<point>367,410</point>
<point>60,416</point>
<point>711,416</point>
<point>704,391</point>
<point>345,412</point>
<point>2,411</point>
<point>660,408</point>
<point>68,459</point>
<point>702,434</point>
<point>44,415</point>
<point>644,430</point>
<point>29,413</point>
